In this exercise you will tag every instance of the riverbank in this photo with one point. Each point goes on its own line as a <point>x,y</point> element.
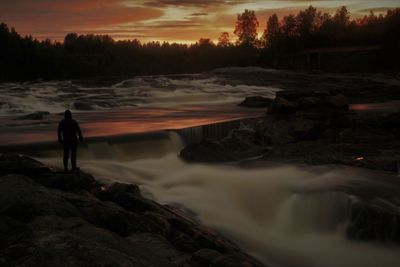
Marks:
<point>312,127</point>
<point>49,218</point>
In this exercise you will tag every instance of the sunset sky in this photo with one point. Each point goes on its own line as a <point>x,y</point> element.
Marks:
<point>163,20</point>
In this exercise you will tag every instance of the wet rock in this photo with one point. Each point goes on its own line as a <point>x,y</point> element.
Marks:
<point>241,143</point>
<point>281,106</point>
<point>306,129</point>
<point>256,102</point>
<point>274,132</point>
<point>76,181</point>
<point>39,115</point>
<point>308,100</point>
<point>127,196</point>
<point>374,220</point>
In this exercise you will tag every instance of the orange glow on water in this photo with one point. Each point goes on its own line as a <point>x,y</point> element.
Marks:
<point>122,122</point>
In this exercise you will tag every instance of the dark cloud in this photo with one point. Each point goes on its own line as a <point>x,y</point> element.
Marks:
<point>199,14</point>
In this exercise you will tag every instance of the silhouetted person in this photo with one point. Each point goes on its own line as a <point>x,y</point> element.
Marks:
<point>68,133</point>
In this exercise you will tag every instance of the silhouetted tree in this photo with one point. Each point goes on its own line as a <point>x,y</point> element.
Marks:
<point>223,40</point>
<point>82,56</point>
<point>342,17</point>
<point>271,33</point>
<point>289,26</point>
<point>308,22</point>
<point>246,28</point>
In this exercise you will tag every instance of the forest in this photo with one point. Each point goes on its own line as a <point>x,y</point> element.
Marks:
<point>25,58</point>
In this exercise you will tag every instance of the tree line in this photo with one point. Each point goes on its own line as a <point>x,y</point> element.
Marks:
<point>82,56</point>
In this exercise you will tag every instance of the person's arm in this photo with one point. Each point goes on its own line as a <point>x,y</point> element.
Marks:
<point>79,132</point>
<point>59,132</point>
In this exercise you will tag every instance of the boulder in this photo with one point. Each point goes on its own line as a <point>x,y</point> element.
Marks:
<point>281,106</point>
<point>306,129</point>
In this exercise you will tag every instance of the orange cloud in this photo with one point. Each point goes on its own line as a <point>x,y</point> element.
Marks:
<point>147,20</point>
<point>54,16</point>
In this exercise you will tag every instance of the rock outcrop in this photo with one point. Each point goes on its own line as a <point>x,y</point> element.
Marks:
<point>48,218</point>
<point>309,127</point>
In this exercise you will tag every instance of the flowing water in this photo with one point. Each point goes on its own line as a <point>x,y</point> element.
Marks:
<point>285,215</point>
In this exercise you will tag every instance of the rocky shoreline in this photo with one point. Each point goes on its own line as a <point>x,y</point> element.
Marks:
<point>49,218</point>
<point>311,127</point>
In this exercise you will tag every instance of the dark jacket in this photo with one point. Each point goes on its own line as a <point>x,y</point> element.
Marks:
<point>68,130</point>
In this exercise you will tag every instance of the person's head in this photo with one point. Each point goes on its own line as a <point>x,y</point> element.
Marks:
<point>67,115</point>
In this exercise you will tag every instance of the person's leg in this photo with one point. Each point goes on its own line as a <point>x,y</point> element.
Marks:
<point>73,157</point>
<point>66,156</point>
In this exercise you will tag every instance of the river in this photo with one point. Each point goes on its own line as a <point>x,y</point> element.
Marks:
<point>285,215</point>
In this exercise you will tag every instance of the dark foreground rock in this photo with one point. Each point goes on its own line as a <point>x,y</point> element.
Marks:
<point>48,218</point>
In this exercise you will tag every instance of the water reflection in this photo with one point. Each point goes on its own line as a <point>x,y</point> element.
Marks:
<point>122,121</point>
